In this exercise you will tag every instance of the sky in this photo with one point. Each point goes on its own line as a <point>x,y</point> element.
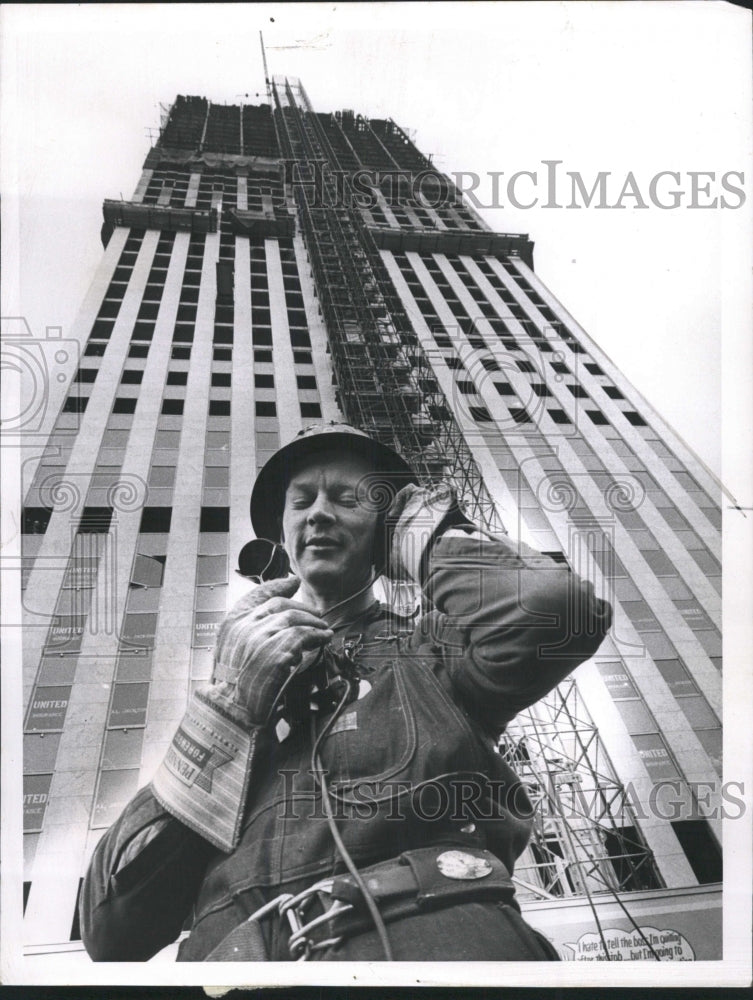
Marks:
<point>483,88</point>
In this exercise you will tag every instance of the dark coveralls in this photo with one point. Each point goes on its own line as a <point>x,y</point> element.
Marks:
<point>506,625</point>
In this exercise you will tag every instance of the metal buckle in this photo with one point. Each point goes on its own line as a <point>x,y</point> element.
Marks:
<point>295,908</point>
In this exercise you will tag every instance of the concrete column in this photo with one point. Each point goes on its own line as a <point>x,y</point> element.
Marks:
<point>242,438</point>
<point>317,333</point>
<point>49,567</point>
<point>242,193</point>
<point>61,857</point>
<point>170,665</point>
<point>286,389</point>
<point>146,176</point>
<point>193,190</point>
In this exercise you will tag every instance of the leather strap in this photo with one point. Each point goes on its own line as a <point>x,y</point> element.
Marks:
<point>415,876</point>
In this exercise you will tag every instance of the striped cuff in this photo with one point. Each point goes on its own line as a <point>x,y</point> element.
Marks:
<point>203,779</point>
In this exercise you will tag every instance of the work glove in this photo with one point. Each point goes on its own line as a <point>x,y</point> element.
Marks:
<point>204,777</point>
<point>416,518</point>
<point>264,638</point>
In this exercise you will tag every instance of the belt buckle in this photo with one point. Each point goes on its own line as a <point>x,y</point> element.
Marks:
<point>296,910</point>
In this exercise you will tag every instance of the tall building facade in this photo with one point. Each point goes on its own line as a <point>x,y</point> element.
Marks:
<point>276,267</point>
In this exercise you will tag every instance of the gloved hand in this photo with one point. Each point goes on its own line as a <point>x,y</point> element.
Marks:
<point>206,770</point>
<point>264,637</point>
<point>417,516</point>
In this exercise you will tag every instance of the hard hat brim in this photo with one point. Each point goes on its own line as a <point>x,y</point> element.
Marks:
<point>268,494</point>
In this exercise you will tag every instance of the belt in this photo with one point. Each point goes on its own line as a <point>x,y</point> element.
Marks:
<point>333,909</point>
<point>417,881</point>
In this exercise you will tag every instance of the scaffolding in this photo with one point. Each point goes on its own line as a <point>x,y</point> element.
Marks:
<point>586,839</point>
<point>386,386</point>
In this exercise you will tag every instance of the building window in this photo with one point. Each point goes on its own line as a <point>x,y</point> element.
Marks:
<point>75,404</point>
<point>219,407</point>
<point>578,391</point>
<point>468,388</point>
<point>214,519</point>
<point>264,381</point>
<point>311,410</point>
<point>490,364</point>
<point>217,476</point>
<point>155,520</point>
<point>221,378</point>
<point>659,562</point>
<point>481,414</point>
<point>520,415</point>
<point>540,389</point>
<point>656,757</point>
<point>641,615</point>
<point>181,353</point>
<point>597,417</point>
<point>35,520</point>
<point>36,793</point>
<point>299,357</point>
<point>613,392</point>
<point>265,357</point>
<point>265,409</point>
<point>262,337</point>
<point>559,416</point>
<point>128,706</point>
<point>593,369</point>
<point>166,440</point>
<point>525,366</point>
<point>95,520</point>
<point>86,375</point>
<point>701,849</point>
<point>162,475</point>
<point>124,406</point>
<point>114,791</point>
<point>635,418</point>
<point>617,681</point>
<point>177,378</point>
<point>172,406</point>
<point>504,388</point>
<point>306,381</point>
<point>132,376</point>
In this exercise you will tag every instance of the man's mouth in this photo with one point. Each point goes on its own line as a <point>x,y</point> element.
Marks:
<point>321,542</point>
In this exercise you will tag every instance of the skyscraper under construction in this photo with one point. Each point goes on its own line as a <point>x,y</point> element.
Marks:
<point>276,267</point>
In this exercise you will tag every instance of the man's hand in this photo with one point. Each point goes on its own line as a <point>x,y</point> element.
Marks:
<point>264,638</point>
<point>417,516</point>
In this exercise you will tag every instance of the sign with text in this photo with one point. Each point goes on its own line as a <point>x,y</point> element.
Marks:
<point>636,945</point>
<point>47,709</point>
<point>36,795</point>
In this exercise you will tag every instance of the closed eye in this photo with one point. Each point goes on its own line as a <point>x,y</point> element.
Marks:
<point>301,500</point>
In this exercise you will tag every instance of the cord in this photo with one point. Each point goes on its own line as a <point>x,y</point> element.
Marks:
<point>288,680</point>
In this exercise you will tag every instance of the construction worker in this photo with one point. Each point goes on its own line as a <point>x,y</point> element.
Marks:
<point>335,793</point>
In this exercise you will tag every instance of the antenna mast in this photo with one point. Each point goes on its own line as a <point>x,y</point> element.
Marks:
<point>266,71</point>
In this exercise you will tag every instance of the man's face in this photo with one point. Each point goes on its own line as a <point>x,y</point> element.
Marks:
<point>329,534</point>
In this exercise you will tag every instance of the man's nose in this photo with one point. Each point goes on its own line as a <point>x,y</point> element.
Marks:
<point>321,510</point>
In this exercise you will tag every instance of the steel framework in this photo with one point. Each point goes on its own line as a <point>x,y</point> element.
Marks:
<point>385,383</point>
